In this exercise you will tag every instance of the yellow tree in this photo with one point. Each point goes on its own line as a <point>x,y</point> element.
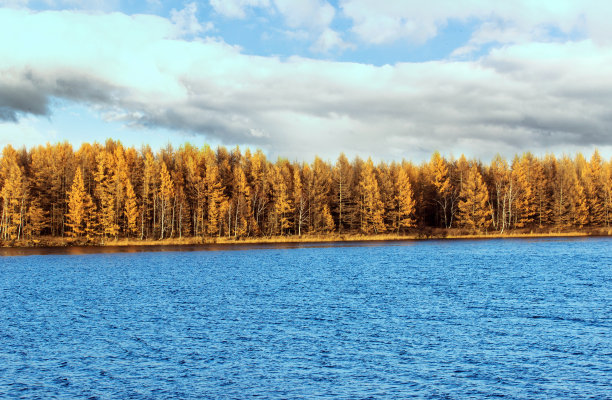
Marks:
<point>14,197</point>
<point>166,192</point>
<point>327,219</point>
<point>195,189</point>
<point>524,201</point>
<point>404,200</point>
<point>242,197</point>
<point>500,179</point>
<point>386,176</point>
<point>148,198</point>
<point>121,176</point>
<point>320,190</point>
<point>283,204</point>
<point>474,211</point>
<point>372,207</point>
<point>105,195</point>
<point>131,209</point>
<point>259,195</point>
<point>607,189</point>
<point>570,203</point>
<point>580,207</point>
<point>594,187</point>
<point>300,200</point>
<point>92,218</point>
<point>215,198</point>
<point>342,179</point>
<point>546,190</point>
<point>76,205</point>
<point>541,192</point>
<point>442,184</point>
<point>36,217</point>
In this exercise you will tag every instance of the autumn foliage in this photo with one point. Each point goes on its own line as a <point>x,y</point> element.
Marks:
<point>101,192</point>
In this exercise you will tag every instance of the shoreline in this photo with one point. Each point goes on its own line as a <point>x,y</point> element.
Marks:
<point>55,245</point>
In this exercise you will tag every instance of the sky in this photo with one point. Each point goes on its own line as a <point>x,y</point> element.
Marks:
<point>388,79</point>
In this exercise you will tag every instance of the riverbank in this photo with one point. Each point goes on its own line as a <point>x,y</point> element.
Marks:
<point>435,234</point>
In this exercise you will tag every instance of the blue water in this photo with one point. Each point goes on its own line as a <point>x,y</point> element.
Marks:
<point>513,319</point>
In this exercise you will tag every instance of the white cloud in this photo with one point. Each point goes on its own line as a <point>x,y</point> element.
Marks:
<point>186,22</point>
<point>307,19</point>
<point>236,8</point>
<point>134,69</point>
<point>14,3</point>
<point>329,40</point>
<point>506,22</point>
<point>306,13</point>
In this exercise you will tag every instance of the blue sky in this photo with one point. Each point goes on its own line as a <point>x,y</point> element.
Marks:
<point>390,79</point>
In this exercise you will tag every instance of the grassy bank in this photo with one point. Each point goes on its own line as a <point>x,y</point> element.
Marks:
<point>432,234</point>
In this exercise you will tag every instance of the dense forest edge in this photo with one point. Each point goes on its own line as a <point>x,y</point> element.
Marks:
<point>108,194</point>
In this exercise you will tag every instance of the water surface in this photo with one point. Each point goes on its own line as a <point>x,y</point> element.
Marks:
<point>515,319</point>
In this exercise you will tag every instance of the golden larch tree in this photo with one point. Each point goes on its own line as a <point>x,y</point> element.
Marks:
<point>14,200</point>
<point>594,188</point>
<point>474,211</point>
<point>76,205</point>
<point>441,181</point>
<point>215,198</point>
<point>243,206</point>
<point>105,194</point>
<point>299,200</point>
<point>372,207</point>
<point>166,193</point>
<point>524,200</point>
<point>283,204</point>
<point>36,218</point>
<point>131,209</point>
<point>404,200</point>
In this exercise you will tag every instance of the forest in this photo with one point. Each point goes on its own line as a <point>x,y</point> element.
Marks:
<point>103,192</point>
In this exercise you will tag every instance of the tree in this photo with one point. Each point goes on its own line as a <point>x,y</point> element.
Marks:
<point>242,198</point>
<point>607,192</point>
<point>319,191</point>
<point>327,219</point>
<point>299,200</point>
<point>36,219</point>
<point>76,206</point>
<point>564,198</point>
<point>474,212</point>
<point>405,201</point>
<point>386,175</point>
<point>500,180</point>
<point>341,175</point>
<point>524,201</point>
<point>593,181</point>
<point>14,197</point>
<point>105,194</point>
<point>371,204</point>
<point>283,204</point>
<point>214,197</point>
<point>107,191</point>
<point>148,197</point>
<point>166,192</point>
<point>442,183</point>
<point>131,209</point>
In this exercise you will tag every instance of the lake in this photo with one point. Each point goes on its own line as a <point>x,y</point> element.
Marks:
<point>513,319</point>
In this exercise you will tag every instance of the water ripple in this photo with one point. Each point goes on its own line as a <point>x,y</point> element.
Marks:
<point>447,320</point>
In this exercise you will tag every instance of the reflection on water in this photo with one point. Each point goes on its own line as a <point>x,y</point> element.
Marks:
<point>79,250</point>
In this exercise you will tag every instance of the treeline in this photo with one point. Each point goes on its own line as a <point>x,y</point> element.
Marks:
<point>108,191</point>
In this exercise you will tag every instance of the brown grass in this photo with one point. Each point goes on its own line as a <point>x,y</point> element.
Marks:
<point>437,234</point>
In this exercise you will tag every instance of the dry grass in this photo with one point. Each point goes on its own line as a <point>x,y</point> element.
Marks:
<point>438,234</point>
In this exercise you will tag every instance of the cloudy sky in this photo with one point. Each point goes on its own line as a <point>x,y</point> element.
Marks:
<point>296,78</point>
